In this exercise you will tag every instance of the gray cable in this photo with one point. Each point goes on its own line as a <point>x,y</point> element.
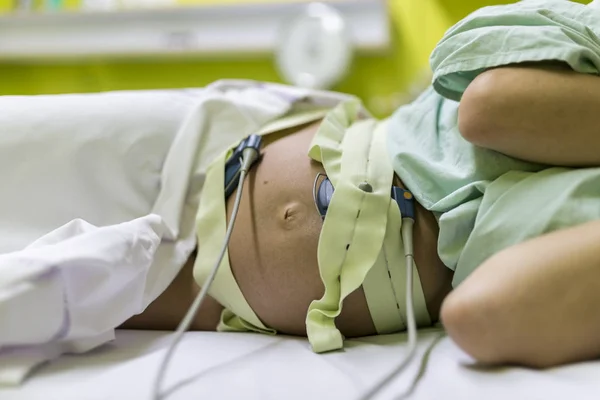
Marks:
<point>422,368</point>
<point>249,156</point>
<point>407,228</point>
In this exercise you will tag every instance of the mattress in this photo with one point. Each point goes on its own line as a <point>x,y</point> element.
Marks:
<point>250,366</point>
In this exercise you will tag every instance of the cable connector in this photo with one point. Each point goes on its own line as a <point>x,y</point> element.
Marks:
<point>251,151</point>
<point>406,202</point>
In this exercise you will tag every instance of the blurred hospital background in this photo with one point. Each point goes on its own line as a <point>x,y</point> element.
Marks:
<point>375,49</point>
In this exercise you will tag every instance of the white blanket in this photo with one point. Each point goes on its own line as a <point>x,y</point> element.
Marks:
<point>233,366</point>
<point>98,198</point>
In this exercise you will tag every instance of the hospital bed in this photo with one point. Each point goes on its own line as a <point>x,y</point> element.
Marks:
<point>231,366</point>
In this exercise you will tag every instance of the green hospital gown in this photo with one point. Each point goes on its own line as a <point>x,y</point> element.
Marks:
<point>486,201</point>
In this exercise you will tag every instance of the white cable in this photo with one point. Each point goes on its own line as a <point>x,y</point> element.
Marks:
<point>407,229</point>
<point>184,325</point>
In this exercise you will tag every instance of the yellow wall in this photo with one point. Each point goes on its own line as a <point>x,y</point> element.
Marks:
<point>417,26</point>
<point>5,5</point>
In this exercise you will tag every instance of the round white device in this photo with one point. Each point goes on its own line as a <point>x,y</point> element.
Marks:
<point>316,50</point>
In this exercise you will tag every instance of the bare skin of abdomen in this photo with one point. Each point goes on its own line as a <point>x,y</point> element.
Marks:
<point>273,251</point>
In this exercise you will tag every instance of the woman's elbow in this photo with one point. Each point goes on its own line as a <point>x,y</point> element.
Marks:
<point>481,325</point>
<point>503,102</point>
<point>480,111</point>
<point>470,325</point>
<point>495,108</point>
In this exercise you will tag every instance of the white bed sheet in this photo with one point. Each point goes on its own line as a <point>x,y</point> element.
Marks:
<point>234,366</point>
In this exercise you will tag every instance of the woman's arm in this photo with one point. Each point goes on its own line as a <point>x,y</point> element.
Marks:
<point>543,113</point>
<point>535,304</point>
